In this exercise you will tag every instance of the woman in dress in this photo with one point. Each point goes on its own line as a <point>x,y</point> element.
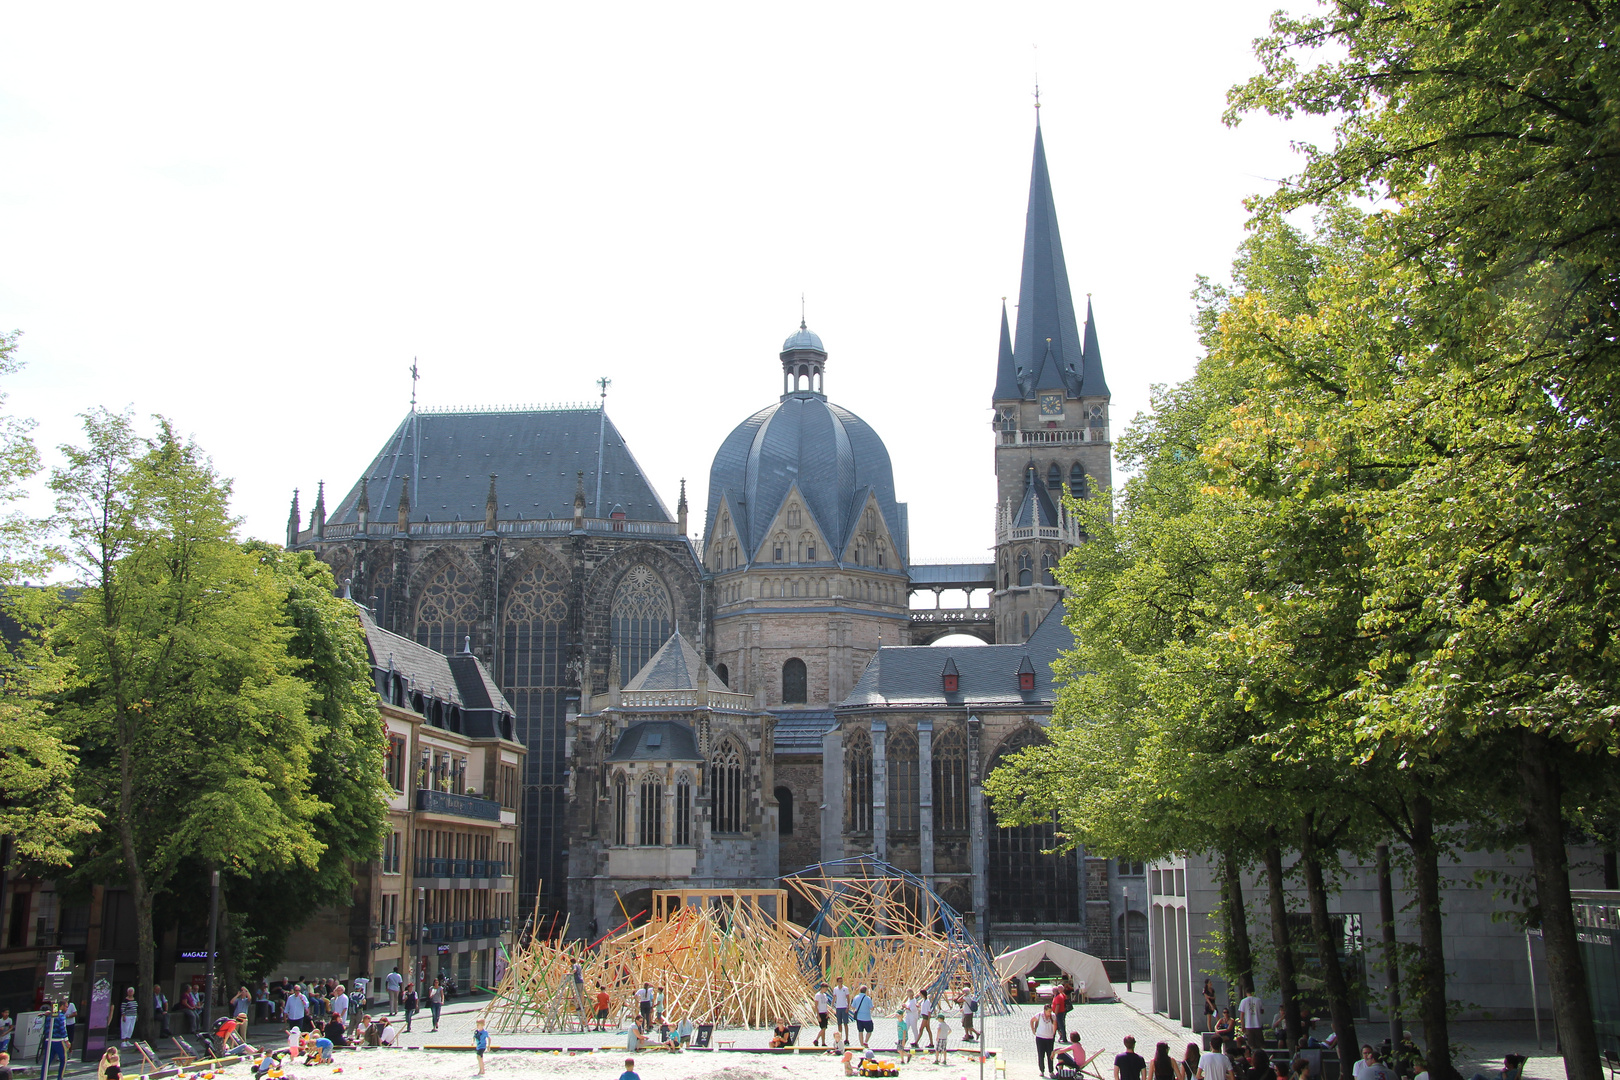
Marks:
<point>1209,1004</point>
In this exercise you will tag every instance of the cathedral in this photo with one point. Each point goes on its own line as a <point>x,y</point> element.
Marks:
<point>718,712</point>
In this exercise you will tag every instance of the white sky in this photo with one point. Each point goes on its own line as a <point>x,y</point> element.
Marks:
<point>252,218</point>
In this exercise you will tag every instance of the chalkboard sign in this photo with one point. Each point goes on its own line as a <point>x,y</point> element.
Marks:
<point>705,1032</point>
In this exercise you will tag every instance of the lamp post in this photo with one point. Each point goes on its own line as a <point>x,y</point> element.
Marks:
<point>213,942</point>
<point>1125,925</point>
<point>421,935</point>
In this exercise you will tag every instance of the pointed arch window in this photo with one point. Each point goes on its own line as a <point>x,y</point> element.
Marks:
<point>1049,569</point>
<point>904,795</point>
<point>725,675</point>
<point>950,781</point>
<point>1026,569</point>
<point>784,811</point>
<point>1054,478</point>
<point>683,811</point>
<point>1026,626</point>
<point>450,609</point>
<point>795,682</point>
<point>858,775</point>
<point>1079,486</point>
<point>650,816</point>
<point>725,779</point>
<point>641,619</point>
<point>621,810</point>
<point>1025,883</point>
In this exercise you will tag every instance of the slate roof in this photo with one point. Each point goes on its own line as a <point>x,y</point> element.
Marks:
<point>1049,351</point>
<point>462,680</point>
<point>948,575</point>
<point>656,740</point>
<point>675,666</point>
<point>535,453</point>
<point>1036,508</point>
<point>833,456</point>
<point>911,676</point>
<point>799,731</point>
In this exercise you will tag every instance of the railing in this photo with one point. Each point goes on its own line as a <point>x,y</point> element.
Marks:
<point>467,806</point>
<point>438,932</point>
<point>951,615</point>
<point>460,868</point>
<point>1068,534</point>
<point>686,699</point>
<point>538,526</point>
<point>1054,436</point>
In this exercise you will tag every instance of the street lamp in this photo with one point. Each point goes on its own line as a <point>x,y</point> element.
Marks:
<point>421,935</point>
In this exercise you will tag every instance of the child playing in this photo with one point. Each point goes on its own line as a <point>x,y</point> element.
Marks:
<point>849,1058</point>
<point>904,1049</point>
<point>629,1070</point>
<point>839,1042</point>
<point>480,1044</point>
<point>942,1038</point>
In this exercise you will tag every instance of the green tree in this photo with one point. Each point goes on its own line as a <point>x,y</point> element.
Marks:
<point>1487,133</point>
<point>39,811</point>
<point>192,721</point>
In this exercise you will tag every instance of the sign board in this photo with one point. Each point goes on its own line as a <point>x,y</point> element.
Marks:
<point>705,1032</point>
<point>59,977</point>
<point>444,950</point>
<point>196,956</point>
<point>101,990</point>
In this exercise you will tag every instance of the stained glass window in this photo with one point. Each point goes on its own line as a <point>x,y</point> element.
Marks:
<point>449,608</point>
<point>650,820</point>
<point>683,810</point>
<point>901,752</point>
<point>950,781</point>
<point>858,770</point>
<point>641,619</point>
<point>1026,884</point>
<point>725,778</point>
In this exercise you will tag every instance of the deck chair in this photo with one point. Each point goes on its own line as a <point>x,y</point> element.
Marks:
<point>184,1052</point>
<point>149,1058</point>
<point>1089,1067</point>
<point>793,1035</point>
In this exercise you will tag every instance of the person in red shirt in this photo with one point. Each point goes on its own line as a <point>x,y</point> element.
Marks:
<point>603,1004</point>
<point>1060,1009</point>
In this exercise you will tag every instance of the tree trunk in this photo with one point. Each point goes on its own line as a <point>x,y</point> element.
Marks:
<point>1541,796</point>
<point>1431,964</point>
<point>1327,947</point>
<point>145,950</point>
<point>1282,942</point>
<point>1240,961</point>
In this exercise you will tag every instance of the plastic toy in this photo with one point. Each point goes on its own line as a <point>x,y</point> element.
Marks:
<point>879,1068</point>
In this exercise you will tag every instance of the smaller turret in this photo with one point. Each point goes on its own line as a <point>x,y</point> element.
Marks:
<point>362,506</point>
<point>405,508</point>
<point>680,510</point>
<point>319,522</point>
<point>292,522</point>
<point>579,499</point>
<point>491,505</point>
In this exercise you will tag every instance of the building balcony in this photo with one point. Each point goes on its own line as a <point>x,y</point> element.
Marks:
<point>443,933</point>
<point>1055,436</point>
<point>463,806</point>
<point>686,699</point>
<point>461,869</point>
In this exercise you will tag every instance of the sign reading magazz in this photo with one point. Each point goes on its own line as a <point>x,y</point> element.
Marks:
<point>1597,921</point>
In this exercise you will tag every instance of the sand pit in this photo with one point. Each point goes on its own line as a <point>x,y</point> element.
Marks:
<point>601,1065</point>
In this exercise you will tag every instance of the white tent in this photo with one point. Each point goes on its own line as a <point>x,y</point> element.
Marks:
<point>1079,966</point>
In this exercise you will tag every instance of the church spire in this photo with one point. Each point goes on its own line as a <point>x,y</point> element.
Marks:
<point>1045,306</point>
<point>1091,370</point>
<point>1006,369</point>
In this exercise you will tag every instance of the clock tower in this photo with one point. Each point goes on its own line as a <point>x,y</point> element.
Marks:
<point>1050,423</point>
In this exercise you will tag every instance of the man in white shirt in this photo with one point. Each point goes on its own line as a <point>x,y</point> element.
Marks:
<point>1370,1068</point>
<point>357,1000</point>
<point>841,1009</point>
<point>1214,1065</point>
<point>644,999</point>
<point>340,1005</point>
<point>393,982</point>
<point>297,1009</point>
<point>1252,1016</point>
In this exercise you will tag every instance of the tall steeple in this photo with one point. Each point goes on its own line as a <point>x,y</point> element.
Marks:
<point>1006,370</point>
<point>1091,370</point>
<point>1045,306</point>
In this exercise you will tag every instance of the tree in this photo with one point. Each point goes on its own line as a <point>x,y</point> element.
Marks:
<point>192,721</point>
<point>1486,133</point>
<point>39,811</point>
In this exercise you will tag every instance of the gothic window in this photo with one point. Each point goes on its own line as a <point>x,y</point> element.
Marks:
<point>776,551</point>
<point>1054,479</point>
<point>641,619</point>
<point>683,811</point>
<point>1009,421</point>
<point>1026,626</point>
<point>793,518</point>
<point>449,609</point>
<point>904,796</point>
<point>621,810</point>
<point>810,552</point>
<point>882,554</point>
<point>1027,885</point>
<point>1079,487</point>
<point>950,781</point>
<point>733,559</point>
<point>1006,578</point>
<point>784,811</point>
<point>725,675</point>
<point>1048,565</point>
<point>858,777</point>
<point>1026,569</point>
<point>650,819</point>
<point>794,683</point>
<point>725,783</point>
<point>535,679</point>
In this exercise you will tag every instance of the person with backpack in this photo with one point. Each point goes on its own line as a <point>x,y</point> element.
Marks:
<point>970,1009</point>
<point>861,1005</point>
<point>408,1001</point>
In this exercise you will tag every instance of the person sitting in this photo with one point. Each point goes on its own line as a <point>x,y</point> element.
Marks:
<point>390,1034</point>
<point>1073,1054</point>
<point>780,1037</point>
<point>683,1032</point>
<point>1512,1069</point>
<point>1224,1025</point>
<point>334,1032</point>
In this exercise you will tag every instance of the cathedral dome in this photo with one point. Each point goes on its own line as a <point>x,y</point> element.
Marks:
<point>803,339</point>
<point>834,458</point>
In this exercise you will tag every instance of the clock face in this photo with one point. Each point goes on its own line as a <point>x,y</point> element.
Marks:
<point>1051,404</point>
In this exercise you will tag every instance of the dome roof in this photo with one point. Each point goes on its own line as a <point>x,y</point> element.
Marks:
<point>803,339</point>
<point>834,457</point>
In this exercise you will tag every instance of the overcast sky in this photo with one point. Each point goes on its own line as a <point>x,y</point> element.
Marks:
<point>252,218</point>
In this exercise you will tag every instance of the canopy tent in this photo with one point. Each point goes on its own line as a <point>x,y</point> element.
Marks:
<point>1079,966</point>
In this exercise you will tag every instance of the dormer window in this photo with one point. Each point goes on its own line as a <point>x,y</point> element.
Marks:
<point>1026,675</point>
<point>950,676</point>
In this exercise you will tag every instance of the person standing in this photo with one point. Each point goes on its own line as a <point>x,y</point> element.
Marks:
<point>1189,1063</point>
<point>480,1043</point>
<point>970,1007</point>
<point>861,1005</point>
<point>1164,1066</point>
<point>1214,1064</point>
<point>361,986</point>
<point>70,1017</point>
<point>1253,1016</point>
<point>1044,1026</point>
<point>340,1006</point>
<point>1060,1010</point>
<point>912,1009</point>
<point>393,982</point>
<point>128,1010</point>
<point>241,1004</point>
<point>925,1010</point>
<point>841,1009</point>
<point>57,1039</point>
<point>579,987</point>
<point>603,1004</point>
<point>296,1009</point>
<point>7,1025</point>
<point>1209,1005</point>
<point>942,1041</point>
<point>436,999</point>
<point>1129,1065</point>
<point>823,1014</point>
<point>160,1010</point>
